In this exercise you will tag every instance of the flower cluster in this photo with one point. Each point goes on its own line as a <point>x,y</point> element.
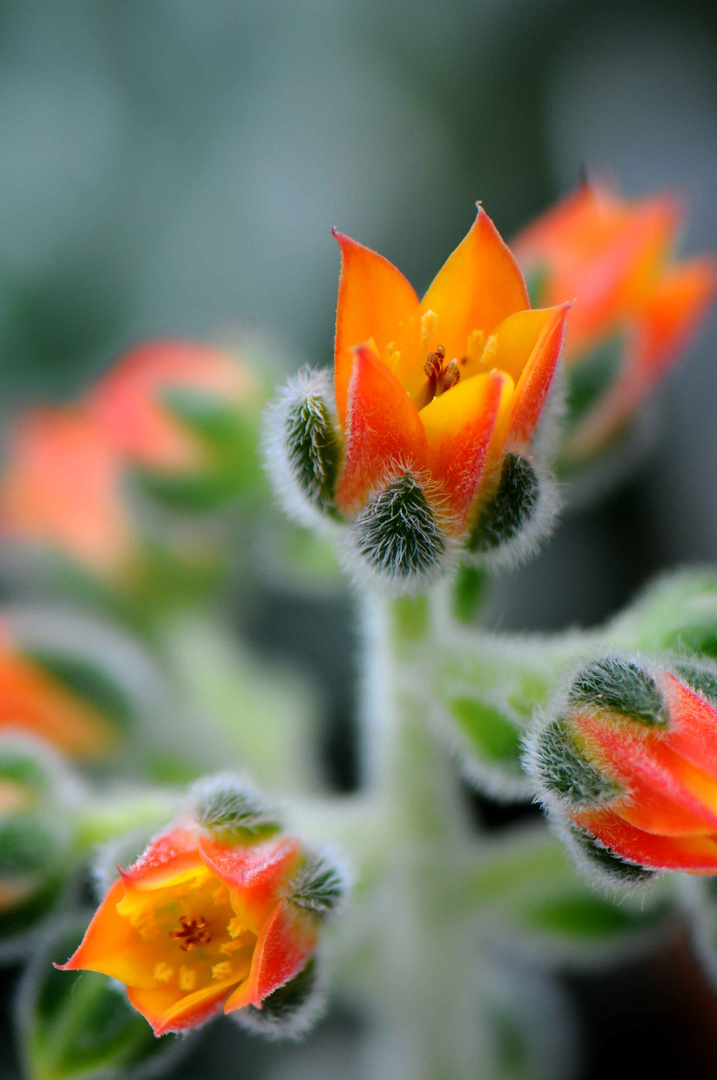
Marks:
<point>429,445</point>
<point>635,305</point>
<point>627,761</point>
<point>222,910</point>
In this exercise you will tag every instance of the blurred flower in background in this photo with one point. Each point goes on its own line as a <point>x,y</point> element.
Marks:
<point>635,308</point>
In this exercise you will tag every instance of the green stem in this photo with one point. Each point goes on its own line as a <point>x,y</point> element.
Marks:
<point>428,1031</point>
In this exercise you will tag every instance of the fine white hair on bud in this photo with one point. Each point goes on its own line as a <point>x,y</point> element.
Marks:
<point>291,1011</point>
<point>303,448</point>
<point>396,540</point>
<point>601,867</point>
<point>230,809</point>
<point>518,516</point>
<point>320,884</point>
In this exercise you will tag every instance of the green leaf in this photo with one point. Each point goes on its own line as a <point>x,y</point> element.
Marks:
<point>491,734</point>
<point>73,1026</point>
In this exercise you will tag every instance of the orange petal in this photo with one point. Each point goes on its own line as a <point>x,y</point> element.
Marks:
<point>254,874</point>
<point>695,854</point>
<point>171,854</point>
<point>478,286</point>
<point>32,700</point>
<point>459,426</point>
<point>575,229</point>
<point>172,1010</point>
<point>537,376</point>
<point>112,946</point>
<point>664,793</point>
<point>693,725</point>
<point>286,945</point>
<point>375,302</point>
<point>384,432</point>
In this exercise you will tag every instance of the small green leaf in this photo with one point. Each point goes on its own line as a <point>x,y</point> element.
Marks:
<point>318,887</point>
<point>491,734</point>
<point>622,686</point>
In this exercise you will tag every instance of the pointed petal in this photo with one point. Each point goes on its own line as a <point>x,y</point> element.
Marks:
<point>664,324</point>
<point>459,426</point>
<point>695,854</point>
<point>254,874</point>
<point>478,286</point>
<point>693,725</point>
<point>537,375</point>
<point>575,227</point>
<point>112,946</point>
<point>172,854</point>
<point>287,942</point>
<point>664,793</point>
<point>172,1010</point>
<point>375,302</point>
<point>384,431</point>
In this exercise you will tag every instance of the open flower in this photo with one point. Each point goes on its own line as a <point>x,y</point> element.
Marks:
<point>223,914</point>
<point>437,401</point>
<point>635,305</point>
<point>631,761</point>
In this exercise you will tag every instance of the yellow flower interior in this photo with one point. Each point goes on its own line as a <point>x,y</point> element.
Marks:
<point>190,934</point>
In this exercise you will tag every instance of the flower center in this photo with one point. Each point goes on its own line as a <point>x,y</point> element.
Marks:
<point>440,376</point>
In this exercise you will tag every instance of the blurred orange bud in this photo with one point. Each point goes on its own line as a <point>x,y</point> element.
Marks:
<point>35,702</point>
<point>139,402</point>
<point>635,305</point>
<point>61,489</point>
<point>632,761</point>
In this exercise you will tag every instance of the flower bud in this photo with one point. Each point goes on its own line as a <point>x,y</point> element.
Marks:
<point>184,417</point>
<point>437,443</point>
<point>635,308</point>
<point>50,696</point>
<point>222,910</point>
<point>628,762</point>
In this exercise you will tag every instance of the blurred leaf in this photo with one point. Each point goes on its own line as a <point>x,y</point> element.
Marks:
<point>82,1025</point>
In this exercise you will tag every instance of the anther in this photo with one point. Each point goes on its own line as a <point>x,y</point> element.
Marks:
<point>191,932</point>
<point>451,376</point>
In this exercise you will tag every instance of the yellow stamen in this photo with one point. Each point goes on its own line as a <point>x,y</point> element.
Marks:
<point>163,972</point>
<point>187,978</point>
<point>219,896</point>
<point>235,927</point>
<point>221,970</point>
<point>428,325</point>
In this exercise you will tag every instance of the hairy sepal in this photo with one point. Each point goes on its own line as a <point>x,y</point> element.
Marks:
<point>396,543</point>
<point>303,449</point>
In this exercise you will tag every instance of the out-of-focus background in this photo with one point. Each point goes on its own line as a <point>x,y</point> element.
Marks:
<point>175,166</point>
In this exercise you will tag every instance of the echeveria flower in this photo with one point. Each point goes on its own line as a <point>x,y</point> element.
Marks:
<point>635,304</point>
<point>431,445</point>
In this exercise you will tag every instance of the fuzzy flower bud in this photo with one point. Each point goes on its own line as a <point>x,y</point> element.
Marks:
<point>635,307</point>
<point>222,910</point>
<point>629,762</point>
<point>427,445</point>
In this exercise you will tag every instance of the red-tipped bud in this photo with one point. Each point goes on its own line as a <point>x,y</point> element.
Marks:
<point>630,761</point>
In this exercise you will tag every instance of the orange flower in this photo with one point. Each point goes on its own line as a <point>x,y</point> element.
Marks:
<point>198,923</point>
<point>61,489</point>
<point>633,763</point>
<point>34,702</point>
<point>635,305</point>
<point>442,388</point>
<point>132,400</point>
